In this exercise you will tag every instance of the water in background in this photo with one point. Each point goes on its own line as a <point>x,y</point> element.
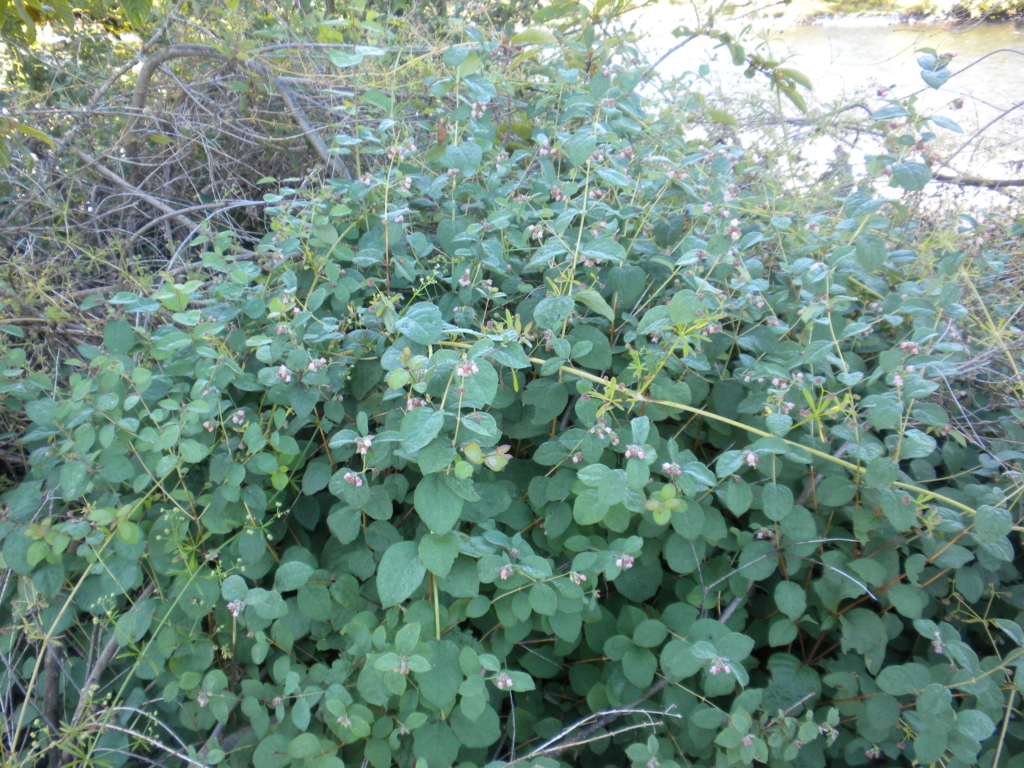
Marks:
<point>848,59</point>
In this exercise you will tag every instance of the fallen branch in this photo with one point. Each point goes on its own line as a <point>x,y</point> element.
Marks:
<point>311,133</point>
<point>102,170</point>
<point>182,51</point>
<point>307,46</point>
<point>975,181</point>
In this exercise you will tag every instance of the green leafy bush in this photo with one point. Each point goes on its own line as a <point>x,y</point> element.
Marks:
<point>567,439</point>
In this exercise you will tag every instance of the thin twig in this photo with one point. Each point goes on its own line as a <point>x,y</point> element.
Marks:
<point>665,55</point>
<point>599,720</point>
<point>154,743</point>
<point>90,110</point>
<point>552,747</point>
<point>818,477</point>
<point>984,128</point>
<point>188,50</point>
<point>823,564</point>
<point>100,666</point>
<point>311,133</point>
<point>223,205</point>
<point>730,609</point>
<point>102,170</point>
<point>230,741</point>
<point>149,67</point>
<point>51,700</point>
<point>611,735</point>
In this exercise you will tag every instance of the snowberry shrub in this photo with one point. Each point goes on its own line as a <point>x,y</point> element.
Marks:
<point>569,440</point>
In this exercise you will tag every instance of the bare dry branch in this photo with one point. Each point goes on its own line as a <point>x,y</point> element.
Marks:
<point>100,93</point>
<point>975,181</point>
<point>100,666</point>
<point>109,174</point>
<point>330,161</point>
<point>598,720</point>
<point>142,83</point>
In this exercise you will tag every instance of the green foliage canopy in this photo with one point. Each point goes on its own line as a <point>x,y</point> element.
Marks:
<point>559,427</point>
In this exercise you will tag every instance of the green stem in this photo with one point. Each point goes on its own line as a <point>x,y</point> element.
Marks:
<point>635,397</point>
<point>437,607</point>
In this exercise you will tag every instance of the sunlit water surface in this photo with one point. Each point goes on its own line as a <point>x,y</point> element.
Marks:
<point>849,59</point>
